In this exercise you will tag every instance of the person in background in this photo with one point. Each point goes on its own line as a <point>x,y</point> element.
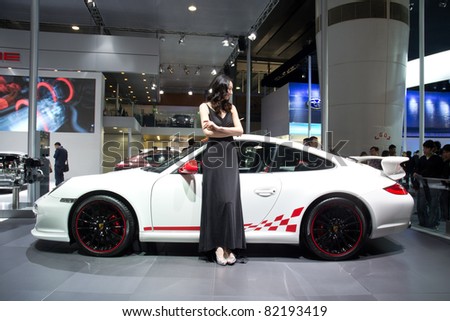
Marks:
<point>409,169</point>
<point>60,157</point>
<point>445,195</point>
<point>190,146</point>
<point>314,142</point>
<point>430,166</point>
<point>392,150</point>
<point>437,148</point>
<point>376,163</point>
<point>222,222</point>
<point>306,141</point>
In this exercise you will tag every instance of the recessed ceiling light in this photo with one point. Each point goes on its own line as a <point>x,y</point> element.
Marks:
<point>192,8</point>
<point>76,28</point>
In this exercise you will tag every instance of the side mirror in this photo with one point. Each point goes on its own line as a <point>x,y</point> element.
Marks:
<point>190,167</point>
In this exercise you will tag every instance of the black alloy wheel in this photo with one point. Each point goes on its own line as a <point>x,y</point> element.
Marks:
<point>103,226</point>
<point>335,229</point>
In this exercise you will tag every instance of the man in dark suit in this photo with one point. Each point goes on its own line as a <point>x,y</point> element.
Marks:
<point>60,162</point>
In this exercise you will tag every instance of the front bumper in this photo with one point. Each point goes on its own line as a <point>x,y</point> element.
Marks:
<point>52,219</point>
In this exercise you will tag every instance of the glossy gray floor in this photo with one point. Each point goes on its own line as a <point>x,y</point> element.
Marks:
<point>408,266</point>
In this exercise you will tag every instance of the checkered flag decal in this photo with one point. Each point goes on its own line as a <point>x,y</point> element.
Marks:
<point>288,223</point>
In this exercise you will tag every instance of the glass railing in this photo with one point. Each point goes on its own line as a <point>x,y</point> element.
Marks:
<point>431,205</point>
<point>156,117</point>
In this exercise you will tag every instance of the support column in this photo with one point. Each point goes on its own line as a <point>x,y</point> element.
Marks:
<point>32,110</point>
<point>367,58</point>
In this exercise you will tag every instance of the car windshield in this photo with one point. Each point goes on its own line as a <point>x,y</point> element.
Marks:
<point>169,162</point>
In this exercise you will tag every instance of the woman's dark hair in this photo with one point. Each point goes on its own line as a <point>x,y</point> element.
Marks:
<point>219,91</point>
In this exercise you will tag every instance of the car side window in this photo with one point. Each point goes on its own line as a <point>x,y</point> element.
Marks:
<point>255,157</point>
<point>294,160</point>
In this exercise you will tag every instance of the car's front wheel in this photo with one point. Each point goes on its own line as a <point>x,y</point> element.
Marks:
<point>335,229</point>
<point>103,226</point>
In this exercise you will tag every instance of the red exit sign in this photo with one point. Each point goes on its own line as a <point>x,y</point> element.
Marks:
<point>9,56</point>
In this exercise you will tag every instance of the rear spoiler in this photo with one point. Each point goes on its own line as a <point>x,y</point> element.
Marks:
<point>390,164</point>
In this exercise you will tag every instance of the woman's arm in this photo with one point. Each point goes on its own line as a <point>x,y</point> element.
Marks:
<point>210,129</point>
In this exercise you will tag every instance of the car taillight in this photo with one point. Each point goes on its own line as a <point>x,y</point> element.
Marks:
<point>396,189</point>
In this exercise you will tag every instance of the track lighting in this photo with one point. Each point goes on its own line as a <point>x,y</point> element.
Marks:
<point>225,42</point>
<point>90,3</point>
<point>252,35</point>
<point>214,71</point>
<point>197,71</point>
<point>181,41</point>
<point>170,69</point>
<point>186,70</point>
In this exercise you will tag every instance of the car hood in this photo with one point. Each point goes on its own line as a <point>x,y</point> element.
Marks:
<point>120,182</point>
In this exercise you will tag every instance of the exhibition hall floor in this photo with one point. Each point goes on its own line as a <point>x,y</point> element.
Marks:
<point>411,265</point>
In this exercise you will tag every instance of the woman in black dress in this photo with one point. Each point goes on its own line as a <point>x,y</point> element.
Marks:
<point>222,226</point>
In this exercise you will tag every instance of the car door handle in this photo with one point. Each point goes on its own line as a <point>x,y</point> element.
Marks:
<point>265,192</point>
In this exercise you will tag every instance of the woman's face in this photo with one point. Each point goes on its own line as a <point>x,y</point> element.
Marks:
<point>229,91</point>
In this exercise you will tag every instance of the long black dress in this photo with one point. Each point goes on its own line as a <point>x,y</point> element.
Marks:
<point>221,219</point>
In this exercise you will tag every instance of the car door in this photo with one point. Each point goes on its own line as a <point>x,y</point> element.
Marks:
<point>176,198</point>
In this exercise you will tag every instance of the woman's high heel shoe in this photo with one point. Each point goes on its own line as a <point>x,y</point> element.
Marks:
<point>231,259</point>
<point>219,257</point>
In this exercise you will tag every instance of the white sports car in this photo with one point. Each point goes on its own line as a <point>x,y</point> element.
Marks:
<point>291,194</point>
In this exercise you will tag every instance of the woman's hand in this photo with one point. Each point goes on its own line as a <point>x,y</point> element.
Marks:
<point>210,125</point>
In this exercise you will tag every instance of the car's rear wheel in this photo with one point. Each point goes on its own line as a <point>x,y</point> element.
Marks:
<point>103,226</point>
<point>335,229</point>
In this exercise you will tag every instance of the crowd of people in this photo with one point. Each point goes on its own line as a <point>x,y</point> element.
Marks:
<point>427,178</point>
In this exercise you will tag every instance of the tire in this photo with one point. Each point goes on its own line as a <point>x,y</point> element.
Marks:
<point>103,226</point>
<point>335,229</point>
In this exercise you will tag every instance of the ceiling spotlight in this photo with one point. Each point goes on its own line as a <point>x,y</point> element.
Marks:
<point>443,4</point>
<point>232,63</point>
<point>190,93</point>
<point>76,28</point>
<point>181,41</point>
<point>161,69</point>
<point>90,3</point>
<point>170,69</point>
<point>252,35</point>
<point>162,39</point>
<point>214,71</point>
<point>161,92</point>
<point>197,71</point>
<point>411,6</point>
<point>186,70</point>
<point>192,8</point>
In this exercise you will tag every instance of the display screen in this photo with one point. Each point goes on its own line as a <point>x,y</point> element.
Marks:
<point>63,104</point>
<point>298,109</point>
<point>437,114</point>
